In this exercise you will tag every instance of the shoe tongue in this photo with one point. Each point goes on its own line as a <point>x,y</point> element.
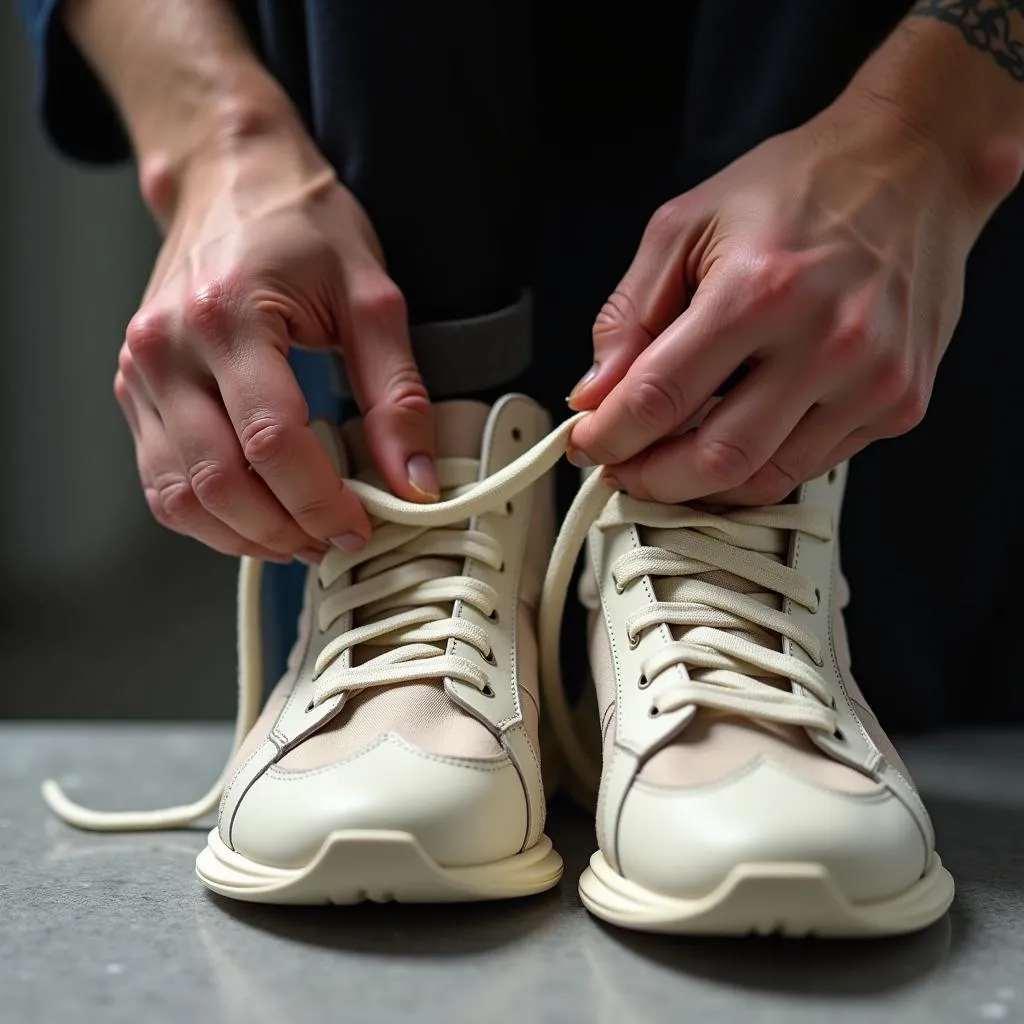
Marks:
<point>459,432</point>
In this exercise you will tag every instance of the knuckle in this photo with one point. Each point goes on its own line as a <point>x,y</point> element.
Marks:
<point>617,311</point>
<point>772,484</point>
<point>910,411</point>
<point>851,344</point>
<point>174,501</point>
<point>379,299</point>
<point>313,510</point>
<point>210,310</point>
<point>407,390</point>
<point>770,280</point>
<point>267,441</point>
<point>656,403</point>
<point>892,379</point>
<point>722,464</point>
<point>146,339</point>
<point>121,392</point>
<point>664,222</point>
<point>125,362</point>
<point>156,509</point>
<point>211,483</point>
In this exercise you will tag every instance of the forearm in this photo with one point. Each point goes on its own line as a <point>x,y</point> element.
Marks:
<point>185,80</point>
<point>950,73</point>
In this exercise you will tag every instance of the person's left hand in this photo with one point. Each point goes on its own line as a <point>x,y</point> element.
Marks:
<point>830,262</point>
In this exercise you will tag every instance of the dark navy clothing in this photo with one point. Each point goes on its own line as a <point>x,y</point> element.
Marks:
<point>506,146</point>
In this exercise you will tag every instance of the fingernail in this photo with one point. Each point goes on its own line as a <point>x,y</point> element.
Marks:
<point>348,541</point>
<point>423,476</point>
<point>583,382</point>
<point>610,481</point>
<point>579,459</point>
<point>309,556</point>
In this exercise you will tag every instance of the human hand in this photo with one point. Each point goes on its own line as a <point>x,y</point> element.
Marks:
<point>830,262</point>
<point>264,250</point>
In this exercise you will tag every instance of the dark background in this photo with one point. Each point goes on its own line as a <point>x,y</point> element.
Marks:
<point>103,614</point>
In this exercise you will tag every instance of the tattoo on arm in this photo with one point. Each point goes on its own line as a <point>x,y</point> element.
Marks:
<point>995,27</point>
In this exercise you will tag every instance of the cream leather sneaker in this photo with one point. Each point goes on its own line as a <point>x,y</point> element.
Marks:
<point>745,785</point>
<point>398,756</point>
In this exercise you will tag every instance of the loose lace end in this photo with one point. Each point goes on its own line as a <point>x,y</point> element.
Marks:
<point>127,821</point>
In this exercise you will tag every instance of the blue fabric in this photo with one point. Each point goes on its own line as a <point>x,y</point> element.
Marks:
<point>75,108</point>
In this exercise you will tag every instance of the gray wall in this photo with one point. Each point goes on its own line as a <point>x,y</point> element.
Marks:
<point>102,613</point>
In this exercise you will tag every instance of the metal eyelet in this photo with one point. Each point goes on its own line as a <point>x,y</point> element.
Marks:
<point>643,682</point>
<point>490,659</point>
<point>516,434</point>
<point>653,711</point>
<point>838,735</point>
<point>619,588</point>
<point>487,691</point>
<point>633,641</point>
<point>310,706</point>
<point>493,617</point>
<point>508,508</point>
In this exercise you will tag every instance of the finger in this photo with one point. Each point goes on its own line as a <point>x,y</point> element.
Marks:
<point>651,295</point>
<point>738,436</point>
<point>898,420</point>
<point>823,428</point>
<point>204,442</point>
<point>884,400</point>
<point>127,403</point>
<point>270,417</point>
<point>171,499</point>
<point>673,377</point>
<point>130,389</point>
<point>398,419</point>
<point>846,449</point>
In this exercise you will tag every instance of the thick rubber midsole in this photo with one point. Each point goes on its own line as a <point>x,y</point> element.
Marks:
<point>376,865</point>
<point>791,898</point>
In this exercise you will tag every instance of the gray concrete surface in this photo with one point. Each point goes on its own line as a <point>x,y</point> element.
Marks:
<point>115,928</point>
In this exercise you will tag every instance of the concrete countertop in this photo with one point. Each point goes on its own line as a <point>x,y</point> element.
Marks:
<point>116,928</point>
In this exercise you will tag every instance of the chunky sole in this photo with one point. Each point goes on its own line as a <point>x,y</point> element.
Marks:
<point>785,898</point>
<point>375,865</point>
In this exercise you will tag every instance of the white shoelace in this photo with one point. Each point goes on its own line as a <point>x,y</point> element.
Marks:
<point>726,672</point>
<point>404,596</point>
<point>406,592</point>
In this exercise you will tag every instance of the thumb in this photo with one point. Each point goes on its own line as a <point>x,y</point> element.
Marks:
<point>646,301</point>
<point>398,419</point>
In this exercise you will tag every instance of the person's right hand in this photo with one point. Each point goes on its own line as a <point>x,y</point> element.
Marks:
<point>264,250</point>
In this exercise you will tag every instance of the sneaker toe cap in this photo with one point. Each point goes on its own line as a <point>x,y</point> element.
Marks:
<point>462,811</point>
<point>684,842</point>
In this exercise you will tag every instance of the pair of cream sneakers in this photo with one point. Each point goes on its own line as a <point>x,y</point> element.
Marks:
<point>742,784</point>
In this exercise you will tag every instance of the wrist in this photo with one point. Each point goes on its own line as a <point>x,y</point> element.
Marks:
<point>247,163</point>
<point>926,81</point>
<point>243,116</point>
<point>187,83</point>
